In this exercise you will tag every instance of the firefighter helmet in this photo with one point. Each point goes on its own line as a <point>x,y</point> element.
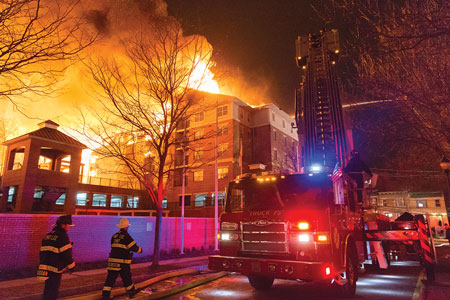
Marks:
<point>64,220</point>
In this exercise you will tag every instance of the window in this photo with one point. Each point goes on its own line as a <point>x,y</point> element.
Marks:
<point>116,201</point>
<point>99,200</point>
<point>38,192</point>
<point>178,178</point>
<point>400,202</point>
<point>421,203</point>
<point>12,193</point>
<point>61,199</point>
<point>274,135</point>
<point>275,154</point>
<point>164,203</point>
<point>198,175</point>
<point>222,111</point>
<point>45,163</point>
<point>187,200</point>
<point>198,134</point>
<point>273,117</point>
<point>200,200</point>
<point>284,140</point>
<point>199,117</point>
<point>373,201</point>
<point>222,172</point>
<point>222,130</point>
<point>221,198</point>
<point>16,159</point>
<point>198,153</point>
<point>133,202</point>
<point>64,164</point>
<point>384,202</point>
<point>81,199</point>
<point>437,203</point>
<point>222,149</point>
<point>284,124</point>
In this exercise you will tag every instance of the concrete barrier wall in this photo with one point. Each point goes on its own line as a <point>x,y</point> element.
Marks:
<point>21,235</point>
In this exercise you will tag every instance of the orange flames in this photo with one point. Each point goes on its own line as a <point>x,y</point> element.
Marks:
<point>202,79</point>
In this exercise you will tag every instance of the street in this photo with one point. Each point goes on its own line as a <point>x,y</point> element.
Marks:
<point>399,282</point>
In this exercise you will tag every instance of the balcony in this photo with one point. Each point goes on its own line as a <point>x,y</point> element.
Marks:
<point>108,182</point>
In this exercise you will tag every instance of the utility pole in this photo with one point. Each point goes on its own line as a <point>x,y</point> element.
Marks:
<point>183,183</point>
<point>216,186</point>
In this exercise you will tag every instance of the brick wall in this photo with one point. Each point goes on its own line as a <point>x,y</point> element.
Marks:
<point>21,235</point>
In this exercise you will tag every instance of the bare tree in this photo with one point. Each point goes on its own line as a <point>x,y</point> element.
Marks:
<point>147,96</point>
<point>37,38</point>
<point>400,52</point>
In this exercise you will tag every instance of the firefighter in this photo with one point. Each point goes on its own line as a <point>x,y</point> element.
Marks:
<point>120,259</point>
<point>355,168</point>
<point>55,257</point>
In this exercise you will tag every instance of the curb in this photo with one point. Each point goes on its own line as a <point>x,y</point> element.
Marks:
<point>120,290</point>
<point>181,288</point>
<point>420,291</point>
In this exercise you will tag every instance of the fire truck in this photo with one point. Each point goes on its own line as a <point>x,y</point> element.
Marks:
<point>316,225</point>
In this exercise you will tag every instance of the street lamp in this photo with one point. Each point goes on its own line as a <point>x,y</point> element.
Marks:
<point>445,165</point>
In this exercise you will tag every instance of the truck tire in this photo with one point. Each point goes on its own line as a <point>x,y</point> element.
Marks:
<point>348,289</point>
<point>260,282</point>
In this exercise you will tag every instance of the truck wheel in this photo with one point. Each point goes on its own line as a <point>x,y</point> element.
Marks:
<point>347,287</point>
<point>260,282</point>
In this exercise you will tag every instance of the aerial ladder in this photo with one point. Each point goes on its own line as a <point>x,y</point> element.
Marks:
<point>325,145</point>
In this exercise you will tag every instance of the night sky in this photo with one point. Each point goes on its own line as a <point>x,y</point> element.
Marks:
<point>256,37</point>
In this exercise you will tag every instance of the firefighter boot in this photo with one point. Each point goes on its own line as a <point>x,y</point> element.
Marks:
<point>132,293</point>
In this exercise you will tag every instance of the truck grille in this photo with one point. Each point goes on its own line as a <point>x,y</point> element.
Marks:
<point>264,236</point>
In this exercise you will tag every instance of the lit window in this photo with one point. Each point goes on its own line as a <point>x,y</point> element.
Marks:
<point>38,192</point>
<point>221,198</point>
<point>164,203</point>
<point>133,202</point>
<point>45,163</point>
<point>198,175</point>
<point>61,199</point>
<point>222,172</point>
<point>200,200</point>
<point>421,203</point>
<point>11,193</point>
<point>81,199</point>
<point>222,111</point>
<point>99,200</point>
<point>17,157</point>
<point>116,201</point>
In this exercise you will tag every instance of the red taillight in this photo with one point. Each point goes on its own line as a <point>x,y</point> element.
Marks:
<point>303,225</point>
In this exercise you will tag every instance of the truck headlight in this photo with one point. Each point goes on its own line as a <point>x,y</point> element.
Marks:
<point>228,236</point>
<point>304,238</point>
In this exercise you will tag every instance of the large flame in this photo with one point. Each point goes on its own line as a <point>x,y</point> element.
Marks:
<point>202,78</point>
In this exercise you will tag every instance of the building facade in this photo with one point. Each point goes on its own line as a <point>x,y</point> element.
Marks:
<point>395,203</point>
<point>246,136</point>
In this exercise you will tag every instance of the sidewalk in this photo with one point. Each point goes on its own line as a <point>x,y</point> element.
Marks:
<point>440,288</point>
<point>92,280</point>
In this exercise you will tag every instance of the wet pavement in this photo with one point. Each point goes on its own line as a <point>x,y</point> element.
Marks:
<point>399,283</point>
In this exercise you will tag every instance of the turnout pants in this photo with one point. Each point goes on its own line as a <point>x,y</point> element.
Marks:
<point>125,274</point>
<point>52,285</point>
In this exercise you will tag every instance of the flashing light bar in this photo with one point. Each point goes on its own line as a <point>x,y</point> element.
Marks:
<point>303,225</point>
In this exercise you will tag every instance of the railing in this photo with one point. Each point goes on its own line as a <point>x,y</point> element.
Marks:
<point>119,212</point>
<point>108,182</point>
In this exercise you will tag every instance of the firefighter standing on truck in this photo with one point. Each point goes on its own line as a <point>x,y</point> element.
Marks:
<point>55,257</point>
<point>355,168</point>
<point>119,260</point>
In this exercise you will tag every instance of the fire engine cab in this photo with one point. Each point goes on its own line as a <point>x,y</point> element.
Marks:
<point>299,226</point>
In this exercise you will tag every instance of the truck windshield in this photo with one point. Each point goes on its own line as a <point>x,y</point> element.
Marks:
<point>292,192</point>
